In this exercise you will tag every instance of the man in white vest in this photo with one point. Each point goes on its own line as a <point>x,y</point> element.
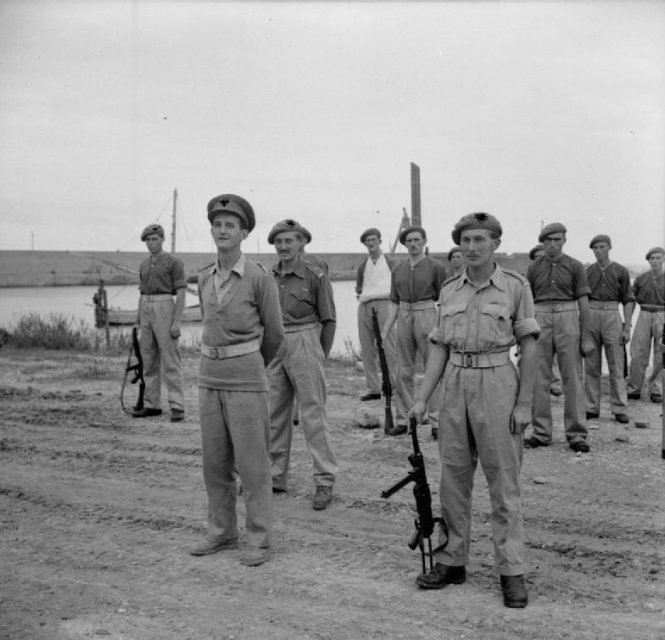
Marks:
<point>373,292</point>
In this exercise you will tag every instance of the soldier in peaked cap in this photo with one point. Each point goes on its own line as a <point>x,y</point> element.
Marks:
<point>162,276</point>
<point>241,333</point>
<point>414,290</point>
<point>609,285</point>
<point>649,290</point>
<point>485,406</point>
<point>308,314</point>
<point>373,293</point>
<point>560,291</point>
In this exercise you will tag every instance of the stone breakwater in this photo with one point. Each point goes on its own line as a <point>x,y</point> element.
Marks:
<point>77,268</point>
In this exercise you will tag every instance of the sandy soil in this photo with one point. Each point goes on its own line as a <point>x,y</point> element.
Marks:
<point>98,512</point>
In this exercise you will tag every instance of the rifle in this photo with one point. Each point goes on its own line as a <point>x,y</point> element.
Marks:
<point>137,368</point>
<point>386,387</point>
<point>662,373</point>
<point>425,521</point>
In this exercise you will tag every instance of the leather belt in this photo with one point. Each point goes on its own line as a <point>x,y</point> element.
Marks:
<point>471,360</point>
<point>230,350</point>
<point>417,306</point>
<point>158,297</point>
<point>608,305</point>
<point>292,328</point>
<point>557,305</point>
<point>652,307</point>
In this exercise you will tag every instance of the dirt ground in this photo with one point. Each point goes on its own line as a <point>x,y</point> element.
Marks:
<point>98,512</point>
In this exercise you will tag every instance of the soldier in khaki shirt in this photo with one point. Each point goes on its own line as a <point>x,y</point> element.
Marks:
<point>485,404</point>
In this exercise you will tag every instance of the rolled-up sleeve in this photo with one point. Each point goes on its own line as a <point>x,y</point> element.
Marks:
<point>525,323</point>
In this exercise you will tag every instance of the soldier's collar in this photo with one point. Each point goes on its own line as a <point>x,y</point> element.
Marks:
<point>238,267</point>
<point>497,278</point>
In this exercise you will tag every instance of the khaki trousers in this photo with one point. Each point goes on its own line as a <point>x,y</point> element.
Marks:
<point>413,327</point>
<point>234,436</point>
<point>370,353</point>
<point>476,409</point>
<point>648,331</point>
<point>160,354</point>
<point>560,334</point>
<point>605,328</point>
<point>298,368</point>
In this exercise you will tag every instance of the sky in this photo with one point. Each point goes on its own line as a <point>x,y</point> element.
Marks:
<point>532,111</point>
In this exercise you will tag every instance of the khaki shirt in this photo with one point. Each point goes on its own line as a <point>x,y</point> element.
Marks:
<point>490,317</point>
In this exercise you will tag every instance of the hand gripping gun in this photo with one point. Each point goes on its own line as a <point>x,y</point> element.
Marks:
<point>137,368</point>
<point>386,387</point>
<point>425,521</point>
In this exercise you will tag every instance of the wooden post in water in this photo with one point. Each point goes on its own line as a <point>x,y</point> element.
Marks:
<point>416,218</point>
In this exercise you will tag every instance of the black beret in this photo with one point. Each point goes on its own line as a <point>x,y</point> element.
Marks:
<point>408,230</point>
<point>152,228</point>
<point>235,205</point>
<point>655,250</point>
<point>372,231</point>
<point>601,237</point>
<point>288,225</point>
<point>478,220</point>
<point>536,249</point>
<point>453,251</point>
<point>552,227</point>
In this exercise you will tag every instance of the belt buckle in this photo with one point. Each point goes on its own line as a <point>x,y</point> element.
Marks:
<point>216,354</point>
<point>467,360</point>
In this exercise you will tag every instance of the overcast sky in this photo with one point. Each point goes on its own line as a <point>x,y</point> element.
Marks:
<point>533,111</point>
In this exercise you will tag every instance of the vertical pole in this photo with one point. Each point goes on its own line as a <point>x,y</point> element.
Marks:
<point>416,218</point>
<point>175,201</point>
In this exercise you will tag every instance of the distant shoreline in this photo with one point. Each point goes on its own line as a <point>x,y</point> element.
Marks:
<point>86,268</point>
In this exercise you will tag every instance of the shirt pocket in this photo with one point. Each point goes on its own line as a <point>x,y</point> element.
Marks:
<point>300,303</point>
<point>452,325</point>
<point>495,326</point>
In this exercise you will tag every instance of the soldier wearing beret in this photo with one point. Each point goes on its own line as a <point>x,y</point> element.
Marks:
<point>241,332</point>
<point>373,292</point>
<point>414,290</point>
<point>456,259</point>
<point>560,291</point>
<point>610,288</point>
<point>649,290</point>
<point>485,404</point>
<point>308,314</point>
<point>162,276</point>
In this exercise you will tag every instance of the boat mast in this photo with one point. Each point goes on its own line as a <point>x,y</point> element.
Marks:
<point>175,201</point>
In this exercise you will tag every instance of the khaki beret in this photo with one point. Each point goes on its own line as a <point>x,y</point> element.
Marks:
<point>408,230</point>
<point>478,220</point>
<point>655,250</point>
<point>288,225</point>
<point>601,237</point>
<point>372,231</point>
<point>307,235</point>
<point>152,228</point>
<point>548,229</point>
<point>235,205</point>
<point>535,250</point>
<point>453,251</point>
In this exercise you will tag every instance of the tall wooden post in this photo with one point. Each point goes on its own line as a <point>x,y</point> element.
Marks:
<point>175,205</point>
<point>416,218</point>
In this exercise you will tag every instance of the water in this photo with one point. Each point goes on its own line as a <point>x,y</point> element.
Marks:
<point>76,303</point>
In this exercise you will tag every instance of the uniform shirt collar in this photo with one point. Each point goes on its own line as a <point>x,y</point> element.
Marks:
<point>497,278</point>
<point>300,269</point>
<point>238,267</point>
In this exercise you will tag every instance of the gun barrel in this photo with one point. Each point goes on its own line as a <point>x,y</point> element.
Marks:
<point>410,477</point>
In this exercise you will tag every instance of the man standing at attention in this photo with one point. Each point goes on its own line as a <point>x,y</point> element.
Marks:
<point>308,314</point>
<point>373,291</point>
<point>162,276</point>
<point>241,332</point>
<point>415,286</point>
<point>485,406</point>
<point>649,289</point>
<point>560,292</point>
<point>610,287</point>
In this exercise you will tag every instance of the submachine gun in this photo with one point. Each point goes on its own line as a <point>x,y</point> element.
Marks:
<point>386,387</point>
<point>134,365</point>
<point>425,521</point>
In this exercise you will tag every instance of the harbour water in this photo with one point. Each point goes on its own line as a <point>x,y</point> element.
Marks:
<point>76,303</point>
